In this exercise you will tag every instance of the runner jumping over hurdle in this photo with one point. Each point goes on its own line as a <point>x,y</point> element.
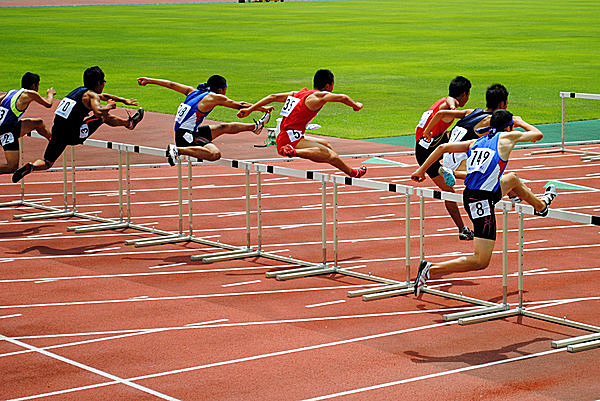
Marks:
<point>299,108</point>
<point>485,186</point>
<point>73,124</point>
<point>12,107</point>
<point>428,140</point>
<point>192,138</point>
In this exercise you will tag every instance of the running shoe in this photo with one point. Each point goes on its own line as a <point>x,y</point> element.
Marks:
<point>548,197</point>
<point>258,125</point>
<point>172,154</point>
<point>22,172</point>
<point>448,175</point>
<point>135,119</point>
<point>422,276</point>
<point>288,150</point>
<point>358,172</point>
<point>465,234</point>
<point>515,199</point>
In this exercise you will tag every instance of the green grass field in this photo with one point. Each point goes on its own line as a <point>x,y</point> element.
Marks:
<point>396,57</point>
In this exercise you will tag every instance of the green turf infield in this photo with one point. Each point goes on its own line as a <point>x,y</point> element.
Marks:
<point>397,57</point>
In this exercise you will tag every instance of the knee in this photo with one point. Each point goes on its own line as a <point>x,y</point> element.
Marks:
<point>511,178</point>
<point>12,167</point>
<point>481,262</point>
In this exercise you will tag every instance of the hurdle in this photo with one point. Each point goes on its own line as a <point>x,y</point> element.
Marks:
<point>573,344</point>
<point>563,149</point>
<point>408,287</point>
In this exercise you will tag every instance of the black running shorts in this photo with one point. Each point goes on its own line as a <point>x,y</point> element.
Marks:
<point>185,138</point>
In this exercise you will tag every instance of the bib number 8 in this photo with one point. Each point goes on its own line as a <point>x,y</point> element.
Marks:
<point>480,209</point>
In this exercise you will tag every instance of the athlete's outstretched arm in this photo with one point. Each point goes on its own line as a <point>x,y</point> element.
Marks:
<point>34,96</point>
<point>107,96</point>
<point>453,147</point>
<point>275,97</point>
<point>176,86</point>
<point>97,108</point>
<point>337,98</point>
<point>443,115</point>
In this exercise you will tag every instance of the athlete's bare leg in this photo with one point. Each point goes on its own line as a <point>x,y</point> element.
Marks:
<point>12,162</point>
<point>482,253</point>
<point>320,153</point>
<point>37,124</point>
<point>115,121</point>
<point>510,183</point>
<point>217,130</point>
<point>207,152</point>
<point>451,207</point>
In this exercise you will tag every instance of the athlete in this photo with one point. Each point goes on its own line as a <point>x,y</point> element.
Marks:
<point>192,138</point>
<point>73,124</point>
<point>453,164</point>
<point>427,141</point>
<point>485,184</point>
<point>299,108</point>
<point>12,126</point>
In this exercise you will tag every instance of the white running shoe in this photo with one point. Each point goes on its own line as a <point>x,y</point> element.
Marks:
<point>422,276</point>
<point>548,197</point>
<point>172,154</point>
<point>258,125</point>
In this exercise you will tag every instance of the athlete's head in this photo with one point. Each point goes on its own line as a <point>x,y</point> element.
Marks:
<point>460,88</point>
<point>322,79</point>
<point>93,79</point>
<point>215,83</point>
<point>496,97</point>
<point>30,81</point>
<point>501,120</point>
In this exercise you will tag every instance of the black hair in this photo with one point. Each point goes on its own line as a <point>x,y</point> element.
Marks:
<point>458,86</point>
<point>92,77</point>
<point>495,94</point>
<point>322,78</point>
<point>214,82</point>
<point>501,119</point>
<point>29,80</point>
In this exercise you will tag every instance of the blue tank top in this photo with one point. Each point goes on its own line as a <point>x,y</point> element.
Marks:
<point>71,111</point>
<point>188,116</point>
<point>9,113</point>
<point>484,165</point>
<point>464,128</point>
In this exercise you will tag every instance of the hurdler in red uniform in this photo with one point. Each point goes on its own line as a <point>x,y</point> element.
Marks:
<point>299,108</point>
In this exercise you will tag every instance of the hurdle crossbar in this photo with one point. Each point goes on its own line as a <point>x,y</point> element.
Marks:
<point>562,148</point>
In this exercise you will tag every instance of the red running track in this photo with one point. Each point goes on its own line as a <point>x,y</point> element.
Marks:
<point>84,316</point>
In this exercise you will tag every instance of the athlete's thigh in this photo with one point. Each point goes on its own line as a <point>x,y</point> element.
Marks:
<point>321,141</point>
<point>309,142</point>
<point>12,157</point>
<point>29,124</point>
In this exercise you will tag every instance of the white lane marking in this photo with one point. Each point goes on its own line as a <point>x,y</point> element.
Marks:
<point>204,323</point>
<point>171,265</point>
<point>533,242</point>
<point>341,301</point>
<point>241,283</point>
<point>434,375</point>
<point>380,216</point>
<point>115,379</point>
<point>44,235</point>
<point>6,260</point>
<point>8,316</point>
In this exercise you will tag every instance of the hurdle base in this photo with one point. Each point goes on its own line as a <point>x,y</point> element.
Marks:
<point>387,294</point>
<point>44,215</point>
<point>475,312</point>
<point>576,340</point>
<point>306,273</point>
<point>368,291</point>
<point>563,150</point>
<point>168,239</point>
<point>228,255</point>
<point>98,227</point>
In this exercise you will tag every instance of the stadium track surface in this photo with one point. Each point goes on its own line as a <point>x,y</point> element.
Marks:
<point>153,318</point>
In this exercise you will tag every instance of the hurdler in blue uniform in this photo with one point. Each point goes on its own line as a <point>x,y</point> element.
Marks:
<point>485,185</point>
<point>73,123</point>
<point>12,126</point>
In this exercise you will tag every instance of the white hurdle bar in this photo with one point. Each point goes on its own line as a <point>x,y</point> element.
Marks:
<point>574,344</point>
<point>563,149</point>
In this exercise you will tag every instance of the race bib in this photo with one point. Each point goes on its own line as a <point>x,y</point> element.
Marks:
<point>294,134</point>
<point>3,113</point>
<point>457,134</point>
<point>7,138</point>
<point>480,209</point>
<point>182,111</point>
<point>424,118</point>
<point>64,107</point>
<point>84,131</point>
<point>189,138</point>
<point>425,143</point>
<point>479,160</point>
<point>289,105</point>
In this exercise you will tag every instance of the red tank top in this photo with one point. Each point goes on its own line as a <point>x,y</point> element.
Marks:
<point>439,128</point>
<point>299,116</point>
